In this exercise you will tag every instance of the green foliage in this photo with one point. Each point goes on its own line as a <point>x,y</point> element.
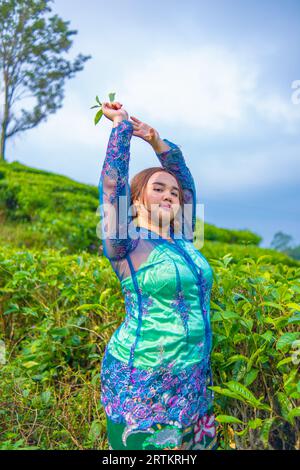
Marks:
<point>58,312</point>
<point>243,237</point>
<point>41,209</point>
<point>48,209</point>
<point>282,242</point>
<point>233,253</point>
<point>99,113</point>
<point>255,313</point>
<point>60,304</point>
<point>56,319</point>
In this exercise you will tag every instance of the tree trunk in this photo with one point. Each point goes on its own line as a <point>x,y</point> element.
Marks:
<point>2,143</point>
<point>4,123</point>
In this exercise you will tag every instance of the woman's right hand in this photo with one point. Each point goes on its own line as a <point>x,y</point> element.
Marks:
<point>114,111</point>
<point>144,131</point>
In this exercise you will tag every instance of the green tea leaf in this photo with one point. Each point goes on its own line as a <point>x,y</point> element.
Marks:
<point>98,116</point>
<point>286,340</point>
<point>293,306</point>
<point>59,331</point>
<point>236,357</point>
<point>225,392</point>
<point>287,360</point>
<point>228,419</point>
<point>272,304</point>
<point>292,414</point>
<point>255,423</point>
<point>250,376</point>
<point>285,405</point>
<point>30,364</point>
<point>246,394</point>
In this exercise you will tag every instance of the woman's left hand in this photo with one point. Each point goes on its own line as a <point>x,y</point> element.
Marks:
<point>144,131</point>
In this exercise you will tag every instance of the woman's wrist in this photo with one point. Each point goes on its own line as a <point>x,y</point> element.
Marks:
<point>118,119</point>
<point>159,145</point>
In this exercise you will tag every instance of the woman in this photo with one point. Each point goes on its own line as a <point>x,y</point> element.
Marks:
<point>156,367</point>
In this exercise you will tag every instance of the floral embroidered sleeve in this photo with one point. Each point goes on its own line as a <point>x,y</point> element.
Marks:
<point>114,193</point>
<point>174,161</point>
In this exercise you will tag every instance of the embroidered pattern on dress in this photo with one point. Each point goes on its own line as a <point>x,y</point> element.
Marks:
<point>146,301</point>
<point>168,437</point>
<point>143,397</point>
<point>180,305</point>
<point>130,305</point>
<point>205,426</point>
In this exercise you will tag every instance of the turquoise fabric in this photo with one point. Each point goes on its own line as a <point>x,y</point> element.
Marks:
<point>173,327</point>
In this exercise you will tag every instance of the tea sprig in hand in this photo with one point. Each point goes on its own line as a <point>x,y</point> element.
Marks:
<point>99,113</point>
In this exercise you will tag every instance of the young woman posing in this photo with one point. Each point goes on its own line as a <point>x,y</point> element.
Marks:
<point>156,367</point>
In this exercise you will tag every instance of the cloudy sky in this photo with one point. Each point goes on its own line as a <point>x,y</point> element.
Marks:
<point>213,76</point>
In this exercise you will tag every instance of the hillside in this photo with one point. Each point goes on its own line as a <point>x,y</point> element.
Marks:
<point>40,209</point>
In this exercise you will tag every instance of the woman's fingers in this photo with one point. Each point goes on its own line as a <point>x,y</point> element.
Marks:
<point>135,119</point>
<point>112,105</point>
<point>135,125</point>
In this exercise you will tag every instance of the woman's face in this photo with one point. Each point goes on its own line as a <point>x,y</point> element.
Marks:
<point>161,197</point>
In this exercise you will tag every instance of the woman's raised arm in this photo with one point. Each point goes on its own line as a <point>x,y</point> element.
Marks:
<point>172,159</point>
<point>114,190</point>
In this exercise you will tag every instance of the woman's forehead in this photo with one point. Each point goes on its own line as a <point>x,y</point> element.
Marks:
<point>163,177</point>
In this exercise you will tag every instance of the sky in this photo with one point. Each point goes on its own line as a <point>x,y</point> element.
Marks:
<point>213,76</point>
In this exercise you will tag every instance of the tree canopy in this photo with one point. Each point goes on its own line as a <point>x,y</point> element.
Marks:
<point>33,64</point>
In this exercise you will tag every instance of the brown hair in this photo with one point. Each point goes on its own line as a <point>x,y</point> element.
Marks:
<point>139,182</point>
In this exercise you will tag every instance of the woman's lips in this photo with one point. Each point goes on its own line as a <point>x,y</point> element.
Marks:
<point>165,206</point>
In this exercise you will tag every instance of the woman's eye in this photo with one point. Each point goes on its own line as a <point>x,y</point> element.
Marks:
<point>159,189</point>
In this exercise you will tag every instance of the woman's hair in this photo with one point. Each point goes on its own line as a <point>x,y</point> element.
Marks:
<point>139,182</point>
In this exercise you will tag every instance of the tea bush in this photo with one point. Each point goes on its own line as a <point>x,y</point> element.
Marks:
<point>255,315</point>
<point>58,312</point>
<point>53,210</point>
<point>60,302</point>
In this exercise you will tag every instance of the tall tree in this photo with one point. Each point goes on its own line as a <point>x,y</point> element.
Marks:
<point>33,66</point>
<point>281,241</point>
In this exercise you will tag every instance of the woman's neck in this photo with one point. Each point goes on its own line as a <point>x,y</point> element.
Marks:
<point>162,231</point>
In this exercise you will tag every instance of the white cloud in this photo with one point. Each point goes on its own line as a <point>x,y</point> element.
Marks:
<point>208,88</point>
<point>208,91</point>
<point>248,170</point>
<point>276,110</point>
<point>71,125</point>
